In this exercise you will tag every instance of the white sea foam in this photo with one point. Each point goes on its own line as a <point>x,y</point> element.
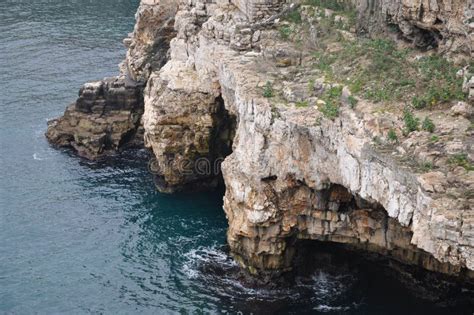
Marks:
<point>37,158</point>
<point>328,308</point>
<point>205,255</point>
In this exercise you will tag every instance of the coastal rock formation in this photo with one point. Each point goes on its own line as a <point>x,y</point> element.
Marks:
<point>105,117</point>
<point>305,157</point>
<point>148,45</point>
<point>189,140</point>
<point>293,173</point>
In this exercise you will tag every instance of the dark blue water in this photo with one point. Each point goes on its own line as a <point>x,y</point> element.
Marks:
<point>81,237</point>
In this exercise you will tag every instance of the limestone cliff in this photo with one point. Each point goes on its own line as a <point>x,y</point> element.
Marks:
<point>107,115</point>
<point>313,124</point>
<point>444,24</point>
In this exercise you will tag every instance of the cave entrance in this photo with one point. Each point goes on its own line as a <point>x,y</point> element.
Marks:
<point>340,219</point>
<point>420,38</point>
<point>222,139</point>
<point>339,216</point>
<point>345,233</point>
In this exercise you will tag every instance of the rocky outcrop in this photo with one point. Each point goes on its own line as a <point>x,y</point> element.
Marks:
<point>105,117</point>
<point>190,140</point>
<point>296,166</point>
<point>283,163</point>
<point>148,45</point>
<point>448,24</point>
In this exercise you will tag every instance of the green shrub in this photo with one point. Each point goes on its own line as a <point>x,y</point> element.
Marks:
<point>332,99</point>
<point>428,125</point>
<point>294,16</point>
<point>392,135</point>
<point>268,90</point>
<point>461,160</point>
<point>334,93</point>
<point>434,138</point>
<point>285,32</point>
<point>330,110</point>
<point>352,101</point>
<point>419,102</point>
<point>411,122</point>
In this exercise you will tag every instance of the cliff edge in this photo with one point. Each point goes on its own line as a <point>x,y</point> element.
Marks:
<point>336,121</point>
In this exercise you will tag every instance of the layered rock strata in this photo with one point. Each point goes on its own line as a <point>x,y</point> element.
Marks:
<point>293,173</point>
<point>105,118</point>
<point>286,160</point>
<point>448,24</point>
<point>107,115</point>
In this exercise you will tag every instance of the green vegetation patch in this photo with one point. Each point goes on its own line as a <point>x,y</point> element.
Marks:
<point>380,72</point>
<point>428,125</point>
<point>268,90</point>
<point>302,104</point>
<point>332,101</point>
<point>294,17</point>
<point>285,32</point>
<point>434,138</point>
<point>411,122</point>
<point>374,69</point>
<point>392,135</point>
<point>461,159</point>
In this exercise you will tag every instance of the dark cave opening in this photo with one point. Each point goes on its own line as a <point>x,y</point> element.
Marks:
<point>222,138</point>
<point>380,249</point>
<point>335,218</point>
<point>374,271</point>
<point>420,38</point>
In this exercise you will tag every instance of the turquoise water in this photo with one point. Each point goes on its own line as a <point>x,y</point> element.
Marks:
<point>81,237</point>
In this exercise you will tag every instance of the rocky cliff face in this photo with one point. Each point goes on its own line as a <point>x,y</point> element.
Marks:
<point>107,115</point>
<point>444,24</point>
<point>310,159</point>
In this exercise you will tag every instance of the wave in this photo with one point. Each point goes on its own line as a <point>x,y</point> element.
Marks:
<point>196,259</point>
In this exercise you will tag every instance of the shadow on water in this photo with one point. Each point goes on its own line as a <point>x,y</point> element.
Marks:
<point>330,279</point>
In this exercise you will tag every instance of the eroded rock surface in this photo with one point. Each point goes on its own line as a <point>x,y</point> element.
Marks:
<point>444,23</point>
<point>105,117</point>
<point>299,168</point>
<point>149,43</point>
<point>293,173</point>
